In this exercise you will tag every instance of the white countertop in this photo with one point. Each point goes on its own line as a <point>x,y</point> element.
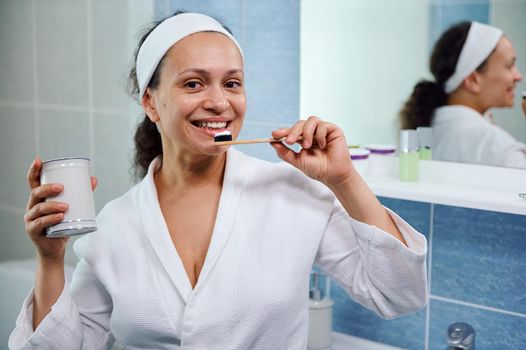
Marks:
<point>342,341</point>
<point>455,184</point>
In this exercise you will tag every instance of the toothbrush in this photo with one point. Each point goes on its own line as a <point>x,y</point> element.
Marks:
<point>224,138</point>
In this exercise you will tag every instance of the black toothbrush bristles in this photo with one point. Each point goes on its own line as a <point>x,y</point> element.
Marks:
<point>223,136</point>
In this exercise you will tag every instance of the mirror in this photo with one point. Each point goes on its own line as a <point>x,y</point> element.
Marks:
<point>360,59</point>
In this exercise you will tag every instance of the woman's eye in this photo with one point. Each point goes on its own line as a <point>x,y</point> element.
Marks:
<point>193,84</point>
<point>232,84</point>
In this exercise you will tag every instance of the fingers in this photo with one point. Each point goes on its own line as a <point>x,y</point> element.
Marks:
<point>33,175</point>
<point>295,132</point>
<point>285,153</point>
<point>278,134</point>
<point>40,193</point>
<point>312,131</point>
<point>44,214</point>
<point>94,183</point>
<point>37,226</point>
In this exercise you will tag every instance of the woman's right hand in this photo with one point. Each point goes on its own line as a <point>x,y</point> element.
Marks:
<point>41,214</point>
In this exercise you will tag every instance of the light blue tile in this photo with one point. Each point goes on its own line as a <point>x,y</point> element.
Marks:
<point>454,13</point>
<point>479,257</point>
<point>62,52</point>
<point>351,318</point>
<point>64,134</point>
<point>18,149</point>
<point>228,12</point>
<point>493,330</point>
<point>110,56</point>
<point>417,214</point>
<point>15,241</point>
<point>271,44</point>
<point>16,51</point>
<point>442,16</point>
<point>113,169</point>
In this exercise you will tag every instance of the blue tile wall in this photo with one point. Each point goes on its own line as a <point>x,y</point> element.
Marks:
<point>445,13</point>
<point>268,32</point>
<point>480,257</point>
<point>352,318</point>
<point>493,330</point>
<point>417,214</point>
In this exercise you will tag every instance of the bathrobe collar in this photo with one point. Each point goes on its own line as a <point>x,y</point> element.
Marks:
<point>457,113</point>
<point>157,231</point>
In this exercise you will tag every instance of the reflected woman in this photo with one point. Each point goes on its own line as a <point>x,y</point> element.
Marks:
<point>473,66</point>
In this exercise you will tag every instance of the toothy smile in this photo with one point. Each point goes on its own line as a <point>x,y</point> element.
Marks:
<point>210,125</point>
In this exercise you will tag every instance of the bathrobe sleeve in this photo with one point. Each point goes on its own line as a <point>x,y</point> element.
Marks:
<point>376,269</point>
<point>79,319</point>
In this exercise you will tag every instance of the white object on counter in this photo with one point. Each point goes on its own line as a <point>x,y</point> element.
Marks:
<point>320,324</point>
<point>320,312</point>
<point>342,341</point>
<point>360,159</point>
<point>379,152</point>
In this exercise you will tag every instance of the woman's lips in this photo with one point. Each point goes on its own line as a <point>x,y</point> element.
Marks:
<point>208,131</point>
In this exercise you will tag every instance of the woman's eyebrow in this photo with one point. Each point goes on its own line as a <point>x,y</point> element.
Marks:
<point>205,72</point>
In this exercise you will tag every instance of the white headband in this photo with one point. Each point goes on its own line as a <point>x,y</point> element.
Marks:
<point>165,35</point>
<point>481,41</point>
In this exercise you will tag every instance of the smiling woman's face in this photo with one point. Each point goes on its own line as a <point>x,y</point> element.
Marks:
<point>499,76</point>
<point>201,92</point>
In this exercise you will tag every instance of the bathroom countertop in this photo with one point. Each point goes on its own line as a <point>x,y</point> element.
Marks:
<point>455,184</point>
<point>342,341</point>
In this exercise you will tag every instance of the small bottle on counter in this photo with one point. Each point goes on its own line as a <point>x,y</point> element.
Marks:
<point>409,156</point>
<point>425,142</point>
<point>320,313</point>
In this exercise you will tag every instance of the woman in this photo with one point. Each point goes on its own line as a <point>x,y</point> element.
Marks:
<point>213,248</point>
<point>473,65</point>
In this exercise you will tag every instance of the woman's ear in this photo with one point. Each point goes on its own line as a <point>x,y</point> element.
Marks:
<point>472,82</point>
<point>149,105</point>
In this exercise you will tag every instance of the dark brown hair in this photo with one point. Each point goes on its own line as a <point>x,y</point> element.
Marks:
<point>428,95</point>
<point>147,139</point>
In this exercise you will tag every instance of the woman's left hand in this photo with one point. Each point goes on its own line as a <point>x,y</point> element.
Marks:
<point>324,155</point>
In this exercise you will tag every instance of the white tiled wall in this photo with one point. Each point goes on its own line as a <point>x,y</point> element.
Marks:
<point>63,66</point>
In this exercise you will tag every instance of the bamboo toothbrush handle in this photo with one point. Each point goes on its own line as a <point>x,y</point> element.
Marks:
<point>243,142</point>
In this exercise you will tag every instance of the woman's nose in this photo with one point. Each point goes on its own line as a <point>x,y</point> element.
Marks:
<point>518,76</point>
<point>216,100</point>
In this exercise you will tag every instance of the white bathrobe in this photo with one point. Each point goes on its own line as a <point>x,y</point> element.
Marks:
<point>272,224</point>
<point>461,134</point>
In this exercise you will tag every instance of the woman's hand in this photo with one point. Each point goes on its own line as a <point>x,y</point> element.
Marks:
<point>41,214</point>
<point>324,155</point>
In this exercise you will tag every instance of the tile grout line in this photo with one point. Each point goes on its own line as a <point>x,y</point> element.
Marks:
<point>430,260</point>
<point>36,114</point>
<point>477,306</point>
<point>64,108</point>
<point>12,209</point>
<point>89,46</point>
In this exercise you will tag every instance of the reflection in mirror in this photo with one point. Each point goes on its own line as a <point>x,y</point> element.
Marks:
<point>361,59</point>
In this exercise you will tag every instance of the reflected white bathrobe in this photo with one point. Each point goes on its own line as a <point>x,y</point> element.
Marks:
<point>272,224</point>
<point>461,134</point>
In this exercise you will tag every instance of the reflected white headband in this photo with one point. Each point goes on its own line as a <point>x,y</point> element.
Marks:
<point>481,41</point>
<point>165,35</point>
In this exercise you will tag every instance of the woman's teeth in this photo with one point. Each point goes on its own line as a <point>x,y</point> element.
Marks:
<point>211,125</point>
